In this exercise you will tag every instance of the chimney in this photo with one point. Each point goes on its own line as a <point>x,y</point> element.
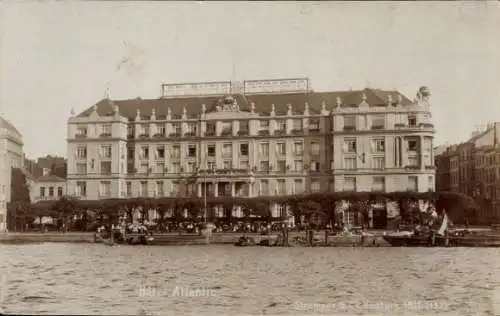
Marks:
<point>46,171</point>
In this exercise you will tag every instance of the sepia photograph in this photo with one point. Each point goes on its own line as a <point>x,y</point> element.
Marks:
<point>249,158</point>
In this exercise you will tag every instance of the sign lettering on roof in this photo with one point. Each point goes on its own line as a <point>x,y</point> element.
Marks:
<point>196,89</point>
<point>273,86</point>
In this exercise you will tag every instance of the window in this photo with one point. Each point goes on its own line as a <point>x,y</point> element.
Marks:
<point>244,164</point>
<point>160,129</point>
<point>144,153</point>
<point>297,124</point>
<point>211,150</point>
<point>264,124</point>
<point>378,121</point>
<point>350,122</point>
<point>243,150</point>
<point>176,152</point>
<point>106,151</point>
<point>264,149</point>
<point>129,188</point>
<point>315,166</point>
<point>59,191</point>
<point>264,166</point>
<point>281,149</point>
<point>282,165</point>
<point>106,130</point>
<point>176,128</point>
<point>105,188</point>
<point>227,128</point>
<point>160,152</point>
<point>105,167</point>
<point>314,124</point>
<point>298,166</point>
<point>159,167</point>
<point>350,184</point>
<point>350,163</point>
<point>176,167</point>
<point>159,188</point>
<point>191,166</point>
<point>298,148</point>
<point>81,152</point>
<point>81,188</point>
<point>210,129</point>
<point>211,165</point>
<point>315,186</point>
<point>413,161</point>
<point>227,150</point>
<point>378,145</point>
<point>227,164</point>
<point>412,120</point>
<point>144,130</point>
<point>42,191</point>
<point>281,125</point>
<point>130,131</point>
<point>281,187</point>
<point>298,186</point>
<point>191,150</point>
<point>81,131</point>
<point>243,128</point>
<point>81,168</point>
<point>175,190</point>
<point>315,149</point>
<point>378,162</point>
<point>412,183</point>
<point>412,145</point>
<point>144,188</point>
<point>378,184</point>
<point>350,146</point>
<point>430,183</point>
<point>130,152</point>
<point>191,129</point>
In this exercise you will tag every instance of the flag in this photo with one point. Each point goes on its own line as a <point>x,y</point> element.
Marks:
<point>444,225</point>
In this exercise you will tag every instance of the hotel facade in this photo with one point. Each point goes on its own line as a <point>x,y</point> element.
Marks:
<point>11,156</point>
<point>255,138</point>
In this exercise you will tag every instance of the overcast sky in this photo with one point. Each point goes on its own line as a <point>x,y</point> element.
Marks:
<point>60,55</point>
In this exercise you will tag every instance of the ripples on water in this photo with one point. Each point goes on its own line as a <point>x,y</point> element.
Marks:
<point>96,279</point>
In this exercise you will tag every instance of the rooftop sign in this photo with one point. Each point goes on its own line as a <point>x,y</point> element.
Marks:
<point>196,89</point>
<point>276,86</point>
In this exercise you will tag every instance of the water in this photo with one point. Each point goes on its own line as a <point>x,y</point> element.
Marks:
<point>123,280</point>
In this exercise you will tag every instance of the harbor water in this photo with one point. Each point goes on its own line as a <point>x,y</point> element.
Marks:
<point>224,280</point>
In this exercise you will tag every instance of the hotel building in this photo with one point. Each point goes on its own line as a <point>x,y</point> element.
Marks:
<point>11,156</point>
<point>255,138</point>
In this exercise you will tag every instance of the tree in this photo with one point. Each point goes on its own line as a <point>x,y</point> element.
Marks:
<point>19,206</point>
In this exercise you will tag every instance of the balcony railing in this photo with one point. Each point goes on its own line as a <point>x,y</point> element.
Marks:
<point>80,136</point>
<point>242,132</point>
<point>263,132</point>
<point>104,135</point>
<point>349,128</point>
<point>377,127</point>
<point>226,132</point>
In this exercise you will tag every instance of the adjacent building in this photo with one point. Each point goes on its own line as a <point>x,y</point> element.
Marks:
<point>11,156</point>
<point>473,168</point>
<point>48,186</point>
<point>255,138</point>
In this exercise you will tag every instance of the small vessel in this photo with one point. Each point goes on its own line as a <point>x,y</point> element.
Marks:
<point>245,241</point>
<point>445,238</point>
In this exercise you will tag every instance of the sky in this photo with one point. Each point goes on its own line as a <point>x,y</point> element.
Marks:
<point>59,56</point>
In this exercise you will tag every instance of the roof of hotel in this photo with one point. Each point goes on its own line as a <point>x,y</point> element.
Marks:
<point>8,126</point>
<point>50,178</point>
<point>263,102</point>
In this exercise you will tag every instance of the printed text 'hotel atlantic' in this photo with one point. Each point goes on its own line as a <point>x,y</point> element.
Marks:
<point>255,138</point>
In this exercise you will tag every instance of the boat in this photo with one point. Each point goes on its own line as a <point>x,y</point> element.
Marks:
<point>117,237</point>
<point>445,237</point>
<point>244,241</point>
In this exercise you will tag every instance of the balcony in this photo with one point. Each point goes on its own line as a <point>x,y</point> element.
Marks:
<point>80,136</point>
<point>190,134</point>
<point>143,136</point>
<point>159,135</point>
<point>105,135</point>
<point>210,133</point>
<point>377,127</point>
<point>426,125</point>
<point>349,128</point>
<point>242,132</point>
<point>175,135</point>
<point>226,132</point>
<point>280,132</point>
<point>297,131</point>
<point>314,130</point>
<point>263,133</point>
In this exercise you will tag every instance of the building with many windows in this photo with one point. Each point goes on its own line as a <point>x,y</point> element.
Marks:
<point>256,138</point>
<point>473,168</point>
<point>11,156</point>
